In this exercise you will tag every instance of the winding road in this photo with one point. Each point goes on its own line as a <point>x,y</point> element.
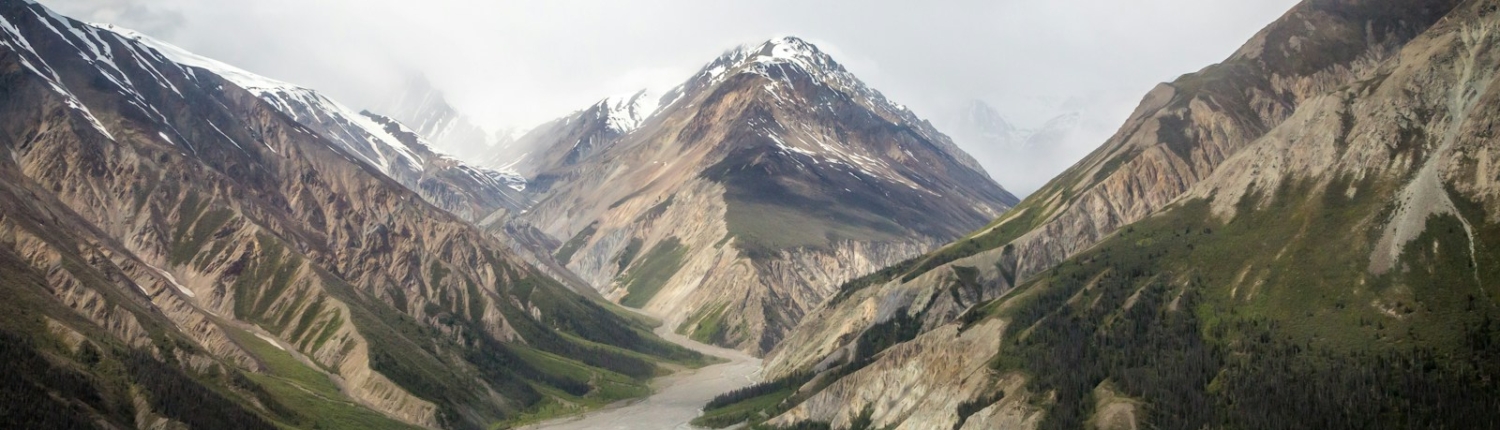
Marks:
<point>678,396</point>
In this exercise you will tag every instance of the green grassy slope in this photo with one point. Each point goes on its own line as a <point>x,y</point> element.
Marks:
<point>645,279</point>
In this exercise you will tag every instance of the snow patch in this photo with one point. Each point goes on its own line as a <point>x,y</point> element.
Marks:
<point>172,280</point>
<point>23,47</point>
<point>271,341</point>
<point>183,57</point>
<point>226,137</point>
<point>354,132</point>
<point>625,113</point>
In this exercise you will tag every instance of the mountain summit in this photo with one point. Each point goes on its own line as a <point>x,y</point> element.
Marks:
<point>425,108</point>
<point>774,59</point>
<point>758,185</point>
<point>978,122</point>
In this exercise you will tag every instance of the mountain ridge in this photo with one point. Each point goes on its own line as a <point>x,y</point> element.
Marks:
<point>426,109</point>
<point>183,252</point>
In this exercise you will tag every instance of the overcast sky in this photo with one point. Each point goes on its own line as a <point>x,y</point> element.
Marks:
<point>520,63</point>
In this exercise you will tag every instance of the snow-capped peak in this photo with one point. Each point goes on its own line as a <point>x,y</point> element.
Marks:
<point>625,113</point>
<point>244,79</point>
<point>354,132</point>
<point>979,121</point>
<point>780,51</point>
<point>980,113</point>
<point>400,132</point>
<point>789,50</point>
<point>781,58</point>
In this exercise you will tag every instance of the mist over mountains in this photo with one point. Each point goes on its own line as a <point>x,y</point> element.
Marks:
<point>507,66</point>
<point>1303,234</point>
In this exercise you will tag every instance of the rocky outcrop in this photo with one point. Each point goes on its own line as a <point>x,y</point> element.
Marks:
<point>1422,118</point>
<point>943,294</point>
<point>917,385</point>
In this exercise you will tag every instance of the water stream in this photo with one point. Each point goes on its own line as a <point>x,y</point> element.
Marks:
<point>677,397</point>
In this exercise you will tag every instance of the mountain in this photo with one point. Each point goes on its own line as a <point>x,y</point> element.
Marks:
<point>469,192</point>
<point>1055,131</point>
<point>1022,158</point>
<point>1292,238</point>
<point>502,144</point>
<point>568,140</point>
<point>426,110</point>
<point>178,250</point>
<point>979,123</point>
<point>751,192</point>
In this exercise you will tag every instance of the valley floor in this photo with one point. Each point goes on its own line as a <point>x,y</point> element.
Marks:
<point>678,397</point>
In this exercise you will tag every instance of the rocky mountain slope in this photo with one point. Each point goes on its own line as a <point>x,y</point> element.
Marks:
<point>471,193</point>
<point>755,188</point>
<point>569,140</point>
<point>1178,135</point>
<point>426,110</point>
<point>1281,240</point>
<point>178,249</point>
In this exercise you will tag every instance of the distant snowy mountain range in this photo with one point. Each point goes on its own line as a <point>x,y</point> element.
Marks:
<point>1024,158</point>
<point>423,107</point>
